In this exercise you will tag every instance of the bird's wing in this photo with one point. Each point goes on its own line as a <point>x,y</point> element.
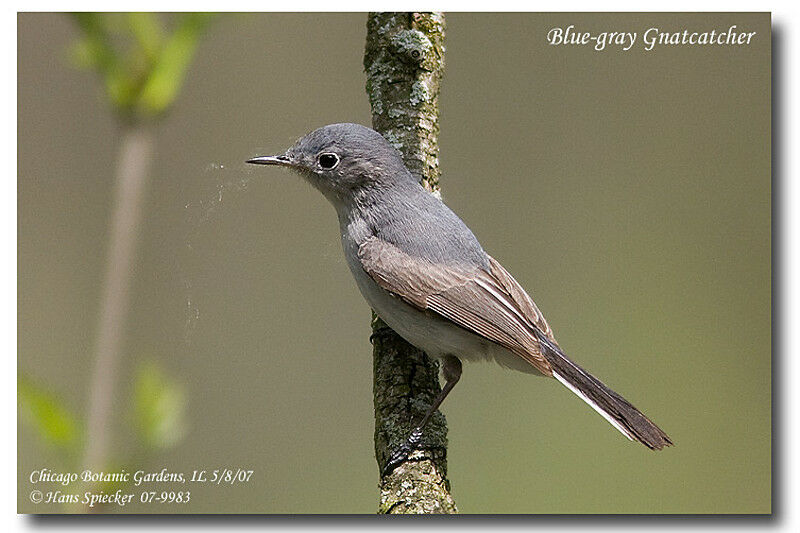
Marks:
<point>489,303</point>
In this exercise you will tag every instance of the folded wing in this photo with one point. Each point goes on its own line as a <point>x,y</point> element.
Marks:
<point>489,303</point>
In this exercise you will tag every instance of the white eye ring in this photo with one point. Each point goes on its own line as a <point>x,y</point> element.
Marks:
<point>328,161</point>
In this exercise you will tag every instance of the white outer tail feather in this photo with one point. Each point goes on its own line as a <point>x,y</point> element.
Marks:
<point>594,406</point>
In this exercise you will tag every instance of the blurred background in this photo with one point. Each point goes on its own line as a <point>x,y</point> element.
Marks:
<point>629,192</point>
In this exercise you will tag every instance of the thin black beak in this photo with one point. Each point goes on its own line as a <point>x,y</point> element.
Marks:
<point>270,160</point>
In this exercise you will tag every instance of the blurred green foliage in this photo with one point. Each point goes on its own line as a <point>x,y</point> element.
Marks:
<point>158,410</point>
<point>142,57</point>
<point>159,407</point>
<point>55,424</point>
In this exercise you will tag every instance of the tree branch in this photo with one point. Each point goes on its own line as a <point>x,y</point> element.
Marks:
<point>404,62</point>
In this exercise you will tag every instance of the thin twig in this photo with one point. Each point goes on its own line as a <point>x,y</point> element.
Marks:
<point>131,181</point>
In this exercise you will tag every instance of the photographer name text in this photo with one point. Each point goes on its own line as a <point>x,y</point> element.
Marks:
<point>162,486</point>
<point>650,39</point>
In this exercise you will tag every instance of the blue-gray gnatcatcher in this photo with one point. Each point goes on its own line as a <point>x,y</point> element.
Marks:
<point>427,276</point>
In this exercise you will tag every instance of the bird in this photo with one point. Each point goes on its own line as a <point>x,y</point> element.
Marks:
<point>425,274</point>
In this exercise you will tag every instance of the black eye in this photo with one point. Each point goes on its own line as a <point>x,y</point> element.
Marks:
<point>328,161</point>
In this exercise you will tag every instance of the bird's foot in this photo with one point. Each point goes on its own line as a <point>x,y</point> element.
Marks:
<point>400,455</point>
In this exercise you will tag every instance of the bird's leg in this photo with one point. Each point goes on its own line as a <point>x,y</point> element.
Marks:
<point>451,369</point>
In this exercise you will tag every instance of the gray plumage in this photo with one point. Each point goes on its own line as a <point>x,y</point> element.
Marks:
<point>426,275</point>
<point>371,182</point>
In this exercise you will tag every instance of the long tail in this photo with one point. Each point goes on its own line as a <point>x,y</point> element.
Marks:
<point>614,408</point>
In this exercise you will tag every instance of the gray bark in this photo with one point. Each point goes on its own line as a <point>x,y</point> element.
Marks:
<point>404,63</point>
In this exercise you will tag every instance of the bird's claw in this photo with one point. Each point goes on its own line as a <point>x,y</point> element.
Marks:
<point>400,455</point>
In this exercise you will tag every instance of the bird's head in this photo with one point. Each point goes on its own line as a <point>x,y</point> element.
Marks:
<point>342,161</point>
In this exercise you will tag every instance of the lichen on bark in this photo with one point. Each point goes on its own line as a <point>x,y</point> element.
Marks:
<point>404,63</point>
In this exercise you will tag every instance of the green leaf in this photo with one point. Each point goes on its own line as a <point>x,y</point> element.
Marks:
<point>146,29</point>
<point>170,67</point>
<point>159,407</point>
<point>95,50</point>
<point>96,42</point>
<point>52,421</point>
